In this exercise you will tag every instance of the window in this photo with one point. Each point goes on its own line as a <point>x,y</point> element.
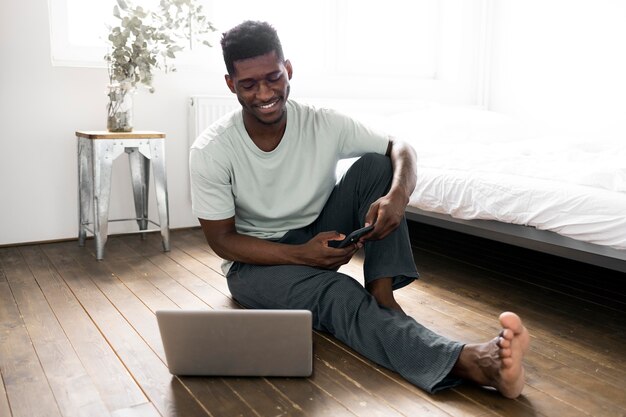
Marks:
<point>363,37</point>
<point>425,48</point>
<point>78,32</point>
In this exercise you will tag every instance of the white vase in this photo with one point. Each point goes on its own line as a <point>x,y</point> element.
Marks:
<point>120,107</point>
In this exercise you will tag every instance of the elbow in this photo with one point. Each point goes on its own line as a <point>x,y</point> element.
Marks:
<point>220,250</point>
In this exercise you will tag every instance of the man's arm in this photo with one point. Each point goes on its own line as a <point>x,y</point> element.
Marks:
<point>228,244</point>
<point>386,213</point>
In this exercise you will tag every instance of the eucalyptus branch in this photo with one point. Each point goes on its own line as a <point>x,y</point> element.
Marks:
<point>144,40</point>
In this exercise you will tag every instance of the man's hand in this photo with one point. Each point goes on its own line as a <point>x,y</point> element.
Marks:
<point>316,252</point>
<point>385,214</point>
<point>228,244</point>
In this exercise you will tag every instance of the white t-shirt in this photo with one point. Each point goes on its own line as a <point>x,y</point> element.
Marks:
<point>270,193</point>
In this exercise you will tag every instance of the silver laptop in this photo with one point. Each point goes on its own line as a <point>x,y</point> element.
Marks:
<point>237,342</point>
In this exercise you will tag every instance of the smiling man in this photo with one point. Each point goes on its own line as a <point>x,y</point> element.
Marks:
<point>264,190</point>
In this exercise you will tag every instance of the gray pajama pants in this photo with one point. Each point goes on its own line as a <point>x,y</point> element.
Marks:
<point>340,305</point>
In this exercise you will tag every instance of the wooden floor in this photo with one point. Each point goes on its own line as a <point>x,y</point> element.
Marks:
<point>79,338</point>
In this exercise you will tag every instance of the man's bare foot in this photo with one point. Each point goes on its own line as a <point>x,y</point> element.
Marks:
<point>499,362</point>
<point>382,291</point>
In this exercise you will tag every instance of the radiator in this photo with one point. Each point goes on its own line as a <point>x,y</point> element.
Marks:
<point>204,110</point>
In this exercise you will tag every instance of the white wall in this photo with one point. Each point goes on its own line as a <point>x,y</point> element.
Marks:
<point>554,61</point>
<point>41,107</point>
<point>561,63</point>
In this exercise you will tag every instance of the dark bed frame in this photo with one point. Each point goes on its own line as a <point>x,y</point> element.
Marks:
<point>527,237</point>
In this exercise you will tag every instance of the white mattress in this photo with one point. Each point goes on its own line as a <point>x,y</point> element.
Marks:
<point>475,164</point>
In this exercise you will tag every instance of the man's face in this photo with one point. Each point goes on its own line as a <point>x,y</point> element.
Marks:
<point>262,87</point>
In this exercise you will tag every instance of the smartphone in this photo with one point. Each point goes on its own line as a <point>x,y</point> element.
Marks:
<point>352,237</point>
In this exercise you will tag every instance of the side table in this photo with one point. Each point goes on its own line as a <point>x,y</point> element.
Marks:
<point>96,152</point>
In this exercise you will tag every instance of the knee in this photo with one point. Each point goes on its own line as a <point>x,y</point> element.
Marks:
<point>377,164</point>
<point>338,303</point>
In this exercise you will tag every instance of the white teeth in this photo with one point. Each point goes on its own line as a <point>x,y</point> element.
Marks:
<point>267,106</point>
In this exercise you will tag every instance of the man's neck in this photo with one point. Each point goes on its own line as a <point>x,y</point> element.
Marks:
<point>265,136</point>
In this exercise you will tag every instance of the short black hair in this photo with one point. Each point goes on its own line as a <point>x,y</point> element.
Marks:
<point>248,40</point>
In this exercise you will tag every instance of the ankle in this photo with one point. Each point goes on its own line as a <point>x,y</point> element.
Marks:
<point>479,363</point>
<point>381,289</point>
<point>380,286</point>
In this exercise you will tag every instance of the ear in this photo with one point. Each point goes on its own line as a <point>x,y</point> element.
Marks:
<point>230,83</point>
<point>289,68</point>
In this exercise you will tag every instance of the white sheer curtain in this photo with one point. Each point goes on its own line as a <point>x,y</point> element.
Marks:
<point>362,37</point>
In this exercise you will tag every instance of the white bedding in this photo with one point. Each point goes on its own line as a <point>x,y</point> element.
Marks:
<point>475,164</point>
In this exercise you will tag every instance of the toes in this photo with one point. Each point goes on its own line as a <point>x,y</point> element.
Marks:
<point>507,334</point>
<point>505,353</point>
<point>503,343</point>
<point>507,362</point>
<point>511,321</point>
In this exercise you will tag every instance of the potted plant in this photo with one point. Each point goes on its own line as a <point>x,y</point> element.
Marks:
<point>144,41</point>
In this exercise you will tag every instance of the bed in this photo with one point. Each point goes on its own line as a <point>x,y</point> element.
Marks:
<point>485,174</point>
<point>489,175</point>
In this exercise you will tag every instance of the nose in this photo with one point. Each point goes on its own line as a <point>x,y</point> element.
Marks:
<point>264,92</point>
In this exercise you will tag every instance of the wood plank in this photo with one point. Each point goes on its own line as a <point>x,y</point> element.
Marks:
<point>211,272</point>
<point>521,293</point>
<point>215,395</point>
<point>465,325</point>
<point>136,313</point>
<point>308,397</point>
<point>189,250</point>
<point>100,273</point>
<point>430,318</point>
<point>349,392</point>
<point>545,343</point>
<point>388,387</point>
<point>212,277</point>
<point>454,401</point>
<point>495,329</point>
<point>264,398</point>
<point>312,388</point>
<point>219,399</point>
<point>116,387</point>
<point>193,240</point>
<point>556,333</point>
<point>565,332</point>
<point>142,289</point>
<point>23,376</point>
<point>163,390</point>
<point>176,292</point>
<point>114,249</point>
<point>194,245</point>
<point>533,269</point>
<point>5,410</point>
<point>213,297</point>
<point>566,376</point>
<point>363,386</point>
<point>574,401</point>
<point>140,410</point>
<point>457,329</point>
<point>74,391</point>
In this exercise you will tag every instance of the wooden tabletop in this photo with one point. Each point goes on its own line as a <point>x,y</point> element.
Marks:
<point>103,134</point>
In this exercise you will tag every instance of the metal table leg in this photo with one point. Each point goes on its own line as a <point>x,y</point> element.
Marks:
<point>140,176</point>
<point>85,188</point>
<point>157,148</point>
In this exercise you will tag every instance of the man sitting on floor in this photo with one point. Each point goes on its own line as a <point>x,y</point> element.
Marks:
<point>264,190</point>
